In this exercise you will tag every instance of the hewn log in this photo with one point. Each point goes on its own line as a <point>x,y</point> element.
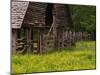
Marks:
<point>14,37</point>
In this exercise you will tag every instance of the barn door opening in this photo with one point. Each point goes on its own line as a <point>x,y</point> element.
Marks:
<point>49,14</point>
<point>49,21</point>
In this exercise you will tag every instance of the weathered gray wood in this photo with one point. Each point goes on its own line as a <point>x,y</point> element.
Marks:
<point>14,38</point>
<point>18,10</point>
<point>40,41</point>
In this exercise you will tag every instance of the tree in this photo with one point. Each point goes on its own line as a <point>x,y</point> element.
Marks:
<point>84,17</point>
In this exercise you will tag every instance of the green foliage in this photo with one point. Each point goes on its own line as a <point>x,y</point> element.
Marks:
<point>78,58</point>
<point>84,17</point>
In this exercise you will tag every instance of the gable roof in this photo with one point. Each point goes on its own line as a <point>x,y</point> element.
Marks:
<point>18,10</point>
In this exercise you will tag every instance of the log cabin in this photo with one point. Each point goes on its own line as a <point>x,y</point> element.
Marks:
<point>37,27</point>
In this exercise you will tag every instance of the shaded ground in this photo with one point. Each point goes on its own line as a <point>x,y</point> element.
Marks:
<point>76,58</point>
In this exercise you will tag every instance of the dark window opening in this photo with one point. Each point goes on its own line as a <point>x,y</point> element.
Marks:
<point>18,33</point>
<point>49,14</point>
<point>21,33</point>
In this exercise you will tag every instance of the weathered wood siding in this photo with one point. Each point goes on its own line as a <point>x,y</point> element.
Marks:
<point>35,14</point>
<point>61,14</point>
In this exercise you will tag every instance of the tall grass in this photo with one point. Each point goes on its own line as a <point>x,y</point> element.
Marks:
<point>80,57</point>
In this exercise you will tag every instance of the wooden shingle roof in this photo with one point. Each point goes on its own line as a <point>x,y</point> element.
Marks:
<point>18,10</point>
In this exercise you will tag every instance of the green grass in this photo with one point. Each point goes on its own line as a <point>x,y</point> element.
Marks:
<point>76,58</point>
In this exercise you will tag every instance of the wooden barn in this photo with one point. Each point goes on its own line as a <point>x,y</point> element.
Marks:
<point>37,27</point>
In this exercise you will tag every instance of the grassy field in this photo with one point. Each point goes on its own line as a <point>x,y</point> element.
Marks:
<point>80,57</point>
